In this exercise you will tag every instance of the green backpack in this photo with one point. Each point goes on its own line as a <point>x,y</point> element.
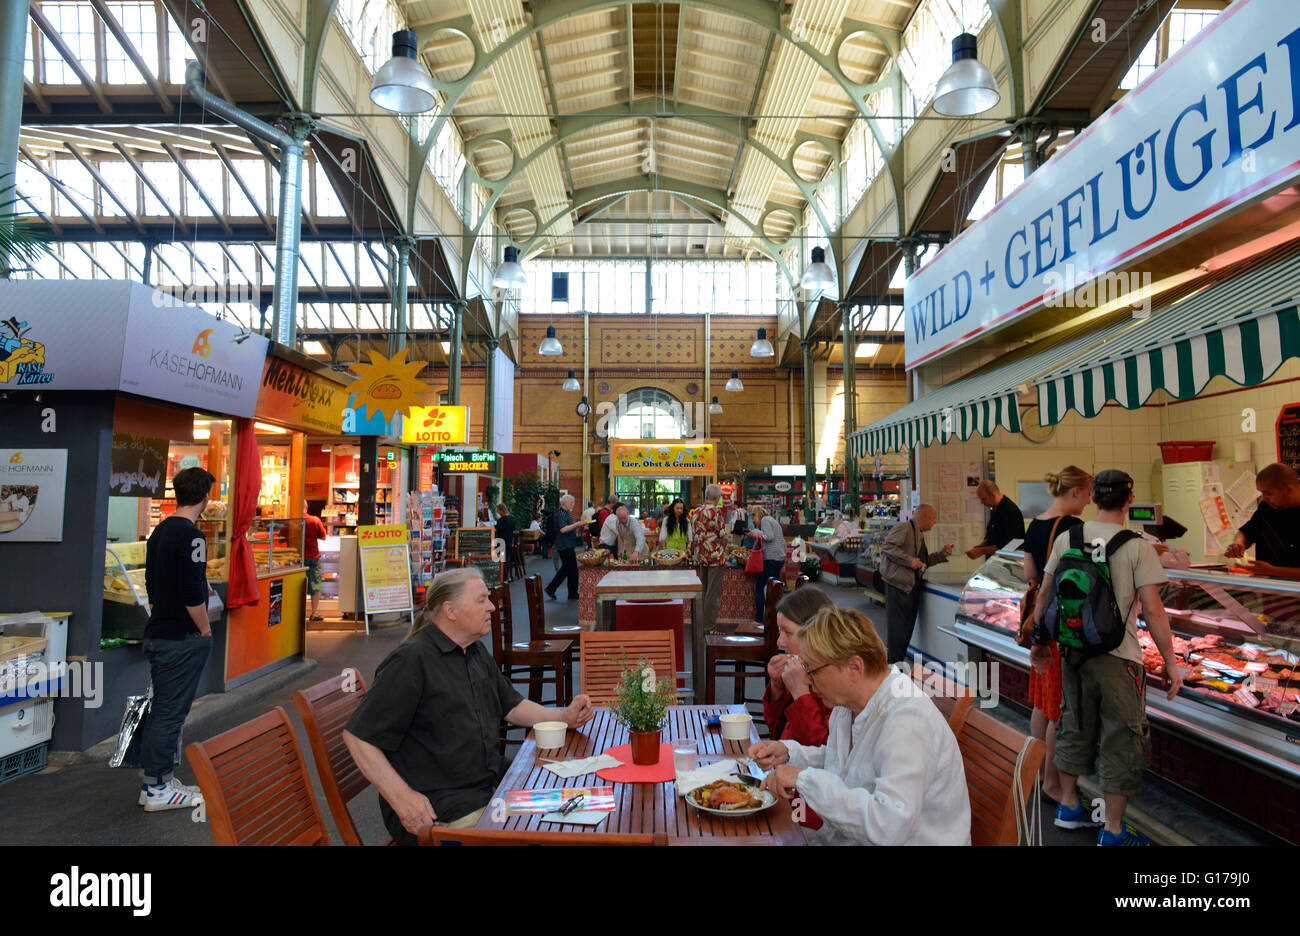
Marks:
<point>1082,611</point>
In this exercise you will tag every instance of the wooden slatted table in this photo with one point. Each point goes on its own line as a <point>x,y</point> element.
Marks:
<point>647,807</point>
<point>655,585</point>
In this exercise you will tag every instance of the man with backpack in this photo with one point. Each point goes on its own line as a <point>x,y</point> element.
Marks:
<point>1094,578</point>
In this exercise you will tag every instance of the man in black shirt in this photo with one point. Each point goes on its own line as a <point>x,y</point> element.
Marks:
<point>177,640</point>
<point>1274,529</point>
<point>427,733</point>
<point>1005,523</point>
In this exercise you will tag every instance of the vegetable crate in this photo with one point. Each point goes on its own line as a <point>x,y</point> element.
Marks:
<point>29,761</point>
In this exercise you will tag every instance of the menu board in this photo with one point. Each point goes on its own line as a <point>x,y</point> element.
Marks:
<point>385,568</point>
<point>474,541</point>
<point>1288,436</point>
<point>139,466</point>
<point>492,570</point>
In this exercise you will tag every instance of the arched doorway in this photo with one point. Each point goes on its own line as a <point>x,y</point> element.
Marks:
<point>650,413</point>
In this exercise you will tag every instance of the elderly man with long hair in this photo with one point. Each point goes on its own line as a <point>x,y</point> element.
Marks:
<point>890,772</point>
<point>426,734</point>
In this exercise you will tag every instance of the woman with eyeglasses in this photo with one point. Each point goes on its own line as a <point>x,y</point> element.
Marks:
<point>890,772</point>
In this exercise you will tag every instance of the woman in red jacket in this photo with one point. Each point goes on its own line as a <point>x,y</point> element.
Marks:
<point>791,709</point>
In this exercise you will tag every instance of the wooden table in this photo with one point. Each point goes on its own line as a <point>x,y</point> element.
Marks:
<point>647,807</point>
<point>654,585</point>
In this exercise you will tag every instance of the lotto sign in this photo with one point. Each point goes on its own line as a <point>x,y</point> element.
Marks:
<point>385,568</point>
<point>389,534</point>
<point>436,425</point>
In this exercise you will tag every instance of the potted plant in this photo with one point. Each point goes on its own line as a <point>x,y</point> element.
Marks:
<point>641,706</point>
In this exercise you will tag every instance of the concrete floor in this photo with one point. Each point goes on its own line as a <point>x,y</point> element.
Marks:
<point>90,803</point>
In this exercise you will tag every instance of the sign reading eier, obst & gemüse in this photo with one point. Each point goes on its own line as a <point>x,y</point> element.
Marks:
<point>1215,129</point>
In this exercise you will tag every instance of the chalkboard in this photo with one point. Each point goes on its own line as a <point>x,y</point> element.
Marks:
<point>1288,436</point>
<point>493,571</point>
<point>474,541</point>
<point>139,466</point>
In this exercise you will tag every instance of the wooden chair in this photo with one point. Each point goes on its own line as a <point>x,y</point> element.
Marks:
<point>255,785</point>
<point>748,653</point>
<point>602,658</point>
<point>954,703</point>
<point>750,627</point>
<point>535,656</point>
<point>436,835</point>
<point>534,591</point>
<point>989,750</point>
<point>517,560</point>
<point>325,709</point>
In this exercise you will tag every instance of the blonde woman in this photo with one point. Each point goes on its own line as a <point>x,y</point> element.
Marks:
<point>890,772</point>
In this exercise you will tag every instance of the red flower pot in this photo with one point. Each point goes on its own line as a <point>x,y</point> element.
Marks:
<point>645,747</point>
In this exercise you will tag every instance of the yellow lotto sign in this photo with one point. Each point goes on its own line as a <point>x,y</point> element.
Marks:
<point>436,425</point>
<point>389,534</point>
<point>662,460</point>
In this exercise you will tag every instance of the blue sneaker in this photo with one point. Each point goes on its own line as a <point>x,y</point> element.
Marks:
<point>1128,837</point>
<point>1076,817</point>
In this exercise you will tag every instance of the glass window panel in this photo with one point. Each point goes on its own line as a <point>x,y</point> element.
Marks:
<point>76,181</point>
<point>327,200</point>
<point>253,174</point>
<point>121,178</point>
<point>34,185</point>
<point>166,179</point>
<point>209,175</point>
<point>139,21</point>
<point>75,24</point>
<point>334,274</point>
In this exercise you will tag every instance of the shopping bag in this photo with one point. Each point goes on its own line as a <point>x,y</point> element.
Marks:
<point>754,564</point>
<point>129,736</point>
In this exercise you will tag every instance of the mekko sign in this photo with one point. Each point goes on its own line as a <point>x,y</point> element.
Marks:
<point>1213,130</point>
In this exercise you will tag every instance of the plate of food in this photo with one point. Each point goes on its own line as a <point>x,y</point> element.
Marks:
<point>730,797</point>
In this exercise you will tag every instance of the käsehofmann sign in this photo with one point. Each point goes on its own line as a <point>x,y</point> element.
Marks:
<point>1216,128</point>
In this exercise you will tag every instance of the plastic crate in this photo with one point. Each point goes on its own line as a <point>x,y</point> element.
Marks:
<point>1175,453</point>
<point>25,762</point>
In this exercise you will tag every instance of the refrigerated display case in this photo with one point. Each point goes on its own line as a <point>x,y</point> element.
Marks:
<point>277,545</point>
<point>1237,639</point>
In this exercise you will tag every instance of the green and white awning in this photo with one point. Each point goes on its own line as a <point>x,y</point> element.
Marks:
<point>1243,329</point>
<point>980,403</point>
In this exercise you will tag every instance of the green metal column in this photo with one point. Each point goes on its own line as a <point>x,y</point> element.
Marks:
<point>850,404</point>
<point>397,339</point>
<point>13,27</point>
<point>489,410</point>
<point>453,379</point>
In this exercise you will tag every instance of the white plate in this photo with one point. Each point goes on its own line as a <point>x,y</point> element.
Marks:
<point>767,796</point>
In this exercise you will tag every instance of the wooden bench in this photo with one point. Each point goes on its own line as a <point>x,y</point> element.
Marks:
<point>989,752</point>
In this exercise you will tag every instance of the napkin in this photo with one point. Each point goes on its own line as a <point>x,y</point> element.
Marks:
<point>688,780</point>
<point>578,817</point>
<point>586,765</point>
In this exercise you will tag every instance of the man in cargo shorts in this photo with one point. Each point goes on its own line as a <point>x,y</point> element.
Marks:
<point>1103,706</point>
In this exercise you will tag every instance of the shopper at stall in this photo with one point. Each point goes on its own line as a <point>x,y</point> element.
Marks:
<point>1274,528</point>
<point>904,557</point>
<point>794,712</point>
<point>771,539</point>
<point>890,772</point>
<point>313,531</point>
<point>708,544</point>
<point>623,534</point>
<point>1071,490</point>
<point>1103,708</point>
<point>601,516</point>
<point>505,531</point>
<point>566,547</point>
<point>426,733</point>
<point>676,530</point>
<point>177,639</point>
<point>1005,522</point>
<point>739,524</point>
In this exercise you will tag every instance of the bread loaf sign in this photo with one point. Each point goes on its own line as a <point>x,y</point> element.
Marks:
<point>1288,435</point>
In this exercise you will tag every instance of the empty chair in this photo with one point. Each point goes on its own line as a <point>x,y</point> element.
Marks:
<point>537,657</point>
<point>325,709</point>
<point>748,654</point>
<point>537,629</point>
<point>255,785</point>
<point>436,835</point>
<point>989,752</point>
<point>603,658</point>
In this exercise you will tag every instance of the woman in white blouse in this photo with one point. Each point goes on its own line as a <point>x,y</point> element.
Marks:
<point>890,772</point>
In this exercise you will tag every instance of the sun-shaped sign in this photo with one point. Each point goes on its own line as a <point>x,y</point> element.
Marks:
<point>387,386</point>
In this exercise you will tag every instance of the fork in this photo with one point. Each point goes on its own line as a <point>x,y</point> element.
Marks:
<point>742,771</point>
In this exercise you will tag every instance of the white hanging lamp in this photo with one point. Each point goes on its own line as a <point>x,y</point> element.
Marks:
<point>819,275</point>
<point>571,383</point>
<point>715,408</point>
<point>550,346</point>
<point>733,384</point>
<point>967,88</point>
<point>510,275</point>
<point>761,346</point>
<point>402,84</point>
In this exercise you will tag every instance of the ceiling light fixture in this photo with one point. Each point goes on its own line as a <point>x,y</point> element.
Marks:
<point>402,84</point>
<point>571,382</point>
<point>967,88</point>
<point>510,275</point>
<point>761,346</point>
<point>819,275</point>
<point>583,408</point>
<point>734,384</point>
<point>715,408</point>
<point>550,346</point>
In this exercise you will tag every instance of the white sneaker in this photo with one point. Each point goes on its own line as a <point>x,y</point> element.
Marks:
<point>174,795</point>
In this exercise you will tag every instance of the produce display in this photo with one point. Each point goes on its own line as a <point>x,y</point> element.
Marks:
<point>669,557</point>
<point>593,557</point>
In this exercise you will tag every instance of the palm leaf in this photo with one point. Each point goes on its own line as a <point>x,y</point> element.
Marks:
<point>22,241</point>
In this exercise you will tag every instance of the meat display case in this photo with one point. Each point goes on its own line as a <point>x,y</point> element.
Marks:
<point>1237,638</point>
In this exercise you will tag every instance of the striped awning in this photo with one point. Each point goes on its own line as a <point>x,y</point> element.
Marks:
<point>1242,328</point>
<point>982,403</point>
